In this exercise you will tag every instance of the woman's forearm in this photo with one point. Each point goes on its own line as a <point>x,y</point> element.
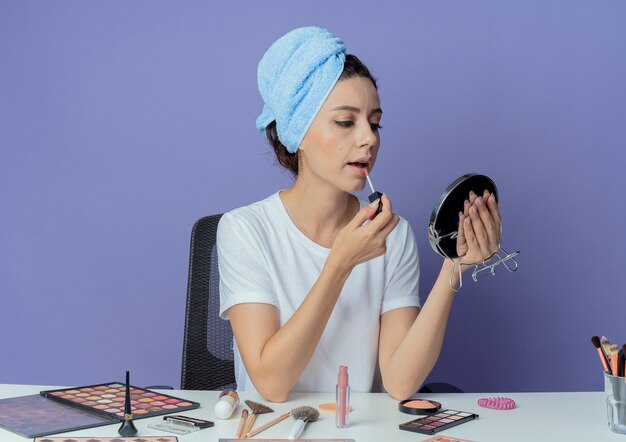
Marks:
<point>416,355</point>
<point>286,354</point>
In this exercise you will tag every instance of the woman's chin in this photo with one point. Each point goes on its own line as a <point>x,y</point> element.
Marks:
<point>354,187</point>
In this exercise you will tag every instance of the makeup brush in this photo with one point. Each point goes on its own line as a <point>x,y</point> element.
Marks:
<point>606,345</point>
<point>302,415</point>
<point>256,409</point>
<point>614,357</point>
<point>621,369</point>
<point>128,428</point>
<point>242,423</point>
<point>374,195</point>
<point>271,423</point>
<point>605,363</point>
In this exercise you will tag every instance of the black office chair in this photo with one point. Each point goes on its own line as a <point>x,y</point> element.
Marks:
<point>440,387</point>
<point>207,348</point>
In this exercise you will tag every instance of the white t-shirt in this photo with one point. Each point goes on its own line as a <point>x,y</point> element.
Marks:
<point>264,258</point>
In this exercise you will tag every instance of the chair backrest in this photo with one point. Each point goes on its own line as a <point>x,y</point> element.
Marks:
<point>208,340</point>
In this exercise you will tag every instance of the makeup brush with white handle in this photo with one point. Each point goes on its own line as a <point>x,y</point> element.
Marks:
<point>302,415</point>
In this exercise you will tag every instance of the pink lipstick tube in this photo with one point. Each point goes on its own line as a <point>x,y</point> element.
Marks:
<point>342,416</point>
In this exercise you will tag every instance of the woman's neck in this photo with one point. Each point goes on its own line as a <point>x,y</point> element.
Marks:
<point>319,212</point>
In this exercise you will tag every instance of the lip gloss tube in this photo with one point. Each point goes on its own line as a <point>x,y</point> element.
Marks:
<point>374,196</point>
<point>343,398</point>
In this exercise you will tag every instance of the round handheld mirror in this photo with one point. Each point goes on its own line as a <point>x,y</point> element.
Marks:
<point>444,220</point>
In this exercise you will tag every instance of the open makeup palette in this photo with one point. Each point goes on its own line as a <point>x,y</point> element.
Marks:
<point>69,409</point>
<point>436,422</point>
<point>109,439</point>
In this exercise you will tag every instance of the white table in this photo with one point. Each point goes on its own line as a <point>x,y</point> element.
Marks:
<point>538,417</point>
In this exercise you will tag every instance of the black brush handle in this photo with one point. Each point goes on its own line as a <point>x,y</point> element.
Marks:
<point>127,408</point>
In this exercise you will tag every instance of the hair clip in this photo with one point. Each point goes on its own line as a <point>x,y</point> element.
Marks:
<point>497,403</point>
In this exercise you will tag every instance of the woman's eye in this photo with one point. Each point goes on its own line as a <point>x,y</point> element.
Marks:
<point>348,123</point>
<point>344,123</point>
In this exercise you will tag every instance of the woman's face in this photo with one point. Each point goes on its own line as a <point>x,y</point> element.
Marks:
<point>343,139</point>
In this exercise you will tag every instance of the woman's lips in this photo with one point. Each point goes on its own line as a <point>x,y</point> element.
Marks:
<point>358,168</point>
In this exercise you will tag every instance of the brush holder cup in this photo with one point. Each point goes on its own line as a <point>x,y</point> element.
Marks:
<point>615,391</point>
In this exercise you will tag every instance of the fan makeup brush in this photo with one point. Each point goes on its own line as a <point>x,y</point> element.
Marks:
<point>302,415</point>
<point>128,428</point>
<point>256,409</point>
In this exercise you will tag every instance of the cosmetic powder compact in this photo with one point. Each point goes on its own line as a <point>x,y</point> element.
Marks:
<point>419,406</point>
<point>181,424</point>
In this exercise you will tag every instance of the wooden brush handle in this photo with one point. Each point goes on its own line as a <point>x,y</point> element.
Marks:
<point>242,422</point>
<point>248,425</point>
<point>268,424</point>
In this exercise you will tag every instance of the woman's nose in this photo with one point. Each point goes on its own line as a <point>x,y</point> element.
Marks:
<point>367,135</point>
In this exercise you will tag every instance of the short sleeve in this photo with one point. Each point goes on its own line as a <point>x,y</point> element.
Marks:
<point>244,275</point>
<point>402,269</point>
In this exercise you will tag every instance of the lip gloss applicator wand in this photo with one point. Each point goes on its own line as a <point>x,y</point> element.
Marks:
<point>374,196</point>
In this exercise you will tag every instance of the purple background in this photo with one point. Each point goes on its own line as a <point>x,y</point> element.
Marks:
<point>121,123</point>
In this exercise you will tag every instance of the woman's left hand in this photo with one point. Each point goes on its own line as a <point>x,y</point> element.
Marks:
<point>479,229</point>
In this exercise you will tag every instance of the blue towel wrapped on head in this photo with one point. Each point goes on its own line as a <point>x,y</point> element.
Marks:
<point>295,76</point>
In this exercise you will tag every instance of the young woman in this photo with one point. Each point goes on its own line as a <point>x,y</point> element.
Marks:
<point>311,278</point>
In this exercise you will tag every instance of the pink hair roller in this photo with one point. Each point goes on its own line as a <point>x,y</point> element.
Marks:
<point>497,403</point>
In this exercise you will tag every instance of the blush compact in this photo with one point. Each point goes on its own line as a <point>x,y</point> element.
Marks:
<point>419,406</point>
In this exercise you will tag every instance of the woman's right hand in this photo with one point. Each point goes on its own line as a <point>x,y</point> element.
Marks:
<point>359,241</point>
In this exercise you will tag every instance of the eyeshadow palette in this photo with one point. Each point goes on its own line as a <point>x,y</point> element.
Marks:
<point>440,421</point>
<point>445,439</point>
<point>283,440</point>
<point>69,409</point>
<point>108,399</point>
<point>109,439</point>
<point>34,415</point>
<point>179,424</point>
